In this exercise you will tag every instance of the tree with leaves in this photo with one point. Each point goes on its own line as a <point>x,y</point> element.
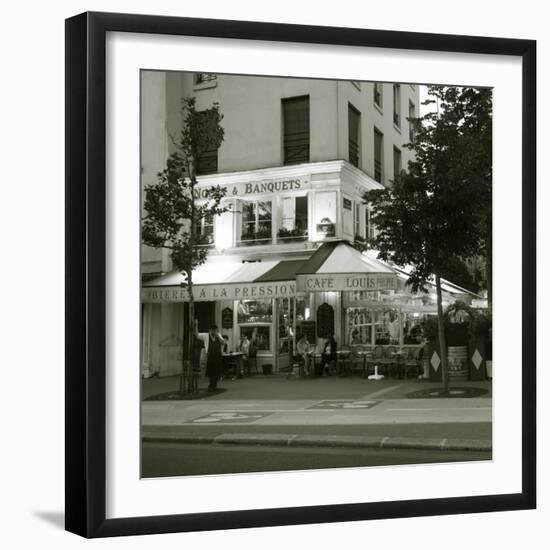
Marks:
<point>440,209</point>
<point>174,213</point>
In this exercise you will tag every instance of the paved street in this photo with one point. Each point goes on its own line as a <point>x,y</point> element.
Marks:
<point>177,459</point>
<point>329,422</point>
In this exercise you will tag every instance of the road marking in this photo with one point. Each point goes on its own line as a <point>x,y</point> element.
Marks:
<point>229,417</point>
<point>380,392</point>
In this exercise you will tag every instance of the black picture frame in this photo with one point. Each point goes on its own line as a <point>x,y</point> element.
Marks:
<point>86,285</point>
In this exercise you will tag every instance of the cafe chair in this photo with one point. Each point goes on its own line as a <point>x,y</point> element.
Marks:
<point>389,361</point>
<point>344,360</point>
<point>413,361</point>
<point>357,360</point>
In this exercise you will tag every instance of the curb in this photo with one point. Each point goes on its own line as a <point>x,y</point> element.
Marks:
<point>306,440</point>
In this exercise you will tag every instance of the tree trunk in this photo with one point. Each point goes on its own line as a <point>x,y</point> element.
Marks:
<point>489,273</point>
<point>441,333</point>
<point>191,344</point>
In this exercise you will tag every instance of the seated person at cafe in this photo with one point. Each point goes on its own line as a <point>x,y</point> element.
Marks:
<point>303,349</point>
<point>329,354</point>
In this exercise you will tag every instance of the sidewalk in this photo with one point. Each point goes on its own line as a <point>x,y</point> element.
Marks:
<point>348,412</point>
<point>279,387</point>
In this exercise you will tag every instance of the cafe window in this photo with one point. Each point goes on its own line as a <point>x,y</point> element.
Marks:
<point>325,214</point>
<point>354,129</point>
<point>294,220</point>
<point>204,231</point>
<point>255,318</point>
<point>254,312</point>
<point>378,155</point>
<point>256,223</point>
<point>370,326</point>
<point>397,104</point>
<point>207,161</point>
<point>260,335</point>
<point>378,94</point>
<point>396,161</point>
<point>295,130</point>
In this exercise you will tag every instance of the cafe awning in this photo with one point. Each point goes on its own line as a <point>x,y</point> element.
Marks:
<point>337,266</point>
<point>227,280</point>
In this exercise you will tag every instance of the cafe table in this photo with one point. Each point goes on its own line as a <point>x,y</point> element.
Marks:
<point>235,358</point>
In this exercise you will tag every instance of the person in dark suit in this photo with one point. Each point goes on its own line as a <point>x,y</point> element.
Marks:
<point>214,357</point>
<point>329,354</point>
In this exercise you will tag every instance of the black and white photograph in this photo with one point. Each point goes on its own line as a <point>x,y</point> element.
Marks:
<point>316,273</point>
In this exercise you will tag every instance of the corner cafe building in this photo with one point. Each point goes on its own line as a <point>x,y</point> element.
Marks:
<point>280,264</point>
<point>338,290</point>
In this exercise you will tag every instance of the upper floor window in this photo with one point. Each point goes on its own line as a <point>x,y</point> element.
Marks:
<point>295,130</point>
<point>207,162</point>
<point>357,220</point>
<point>354,129</point>
<point>412,115</point>
<point>397,104</point>
<point>378,155</point>
<point>204,231</point>
<point>294,220</point>
<point>201,78</point>
<point>369,226</point>
<point>378,97</point>
<point>256,222</point>
<point>396,161</point>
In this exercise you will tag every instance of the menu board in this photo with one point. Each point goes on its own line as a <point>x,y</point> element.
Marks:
<point>227,318</point>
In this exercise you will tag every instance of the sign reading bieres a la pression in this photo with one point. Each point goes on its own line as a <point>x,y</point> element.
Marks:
<point>262,187</point>
<point>208,293</point>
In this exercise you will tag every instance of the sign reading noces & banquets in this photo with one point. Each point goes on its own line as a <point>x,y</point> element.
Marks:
<point>261,187</point>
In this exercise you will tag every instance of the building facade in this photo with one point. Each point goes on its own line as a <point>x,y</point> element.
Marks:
<point>297,158</point>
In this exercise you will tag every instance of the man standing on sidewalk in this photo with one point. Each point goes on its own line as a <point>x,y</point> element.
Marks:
<point>214,358</point>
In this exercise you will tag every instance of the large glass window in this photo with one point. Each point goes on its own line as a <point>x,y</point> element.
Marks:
<point>295,130</point>
<point>378,155</point>
<point>369,326</point>
<point>325,214</point>
<point>254,311</point>
<point>255,318</point>
<point>354,129</point>
<point>256,222</point>
<point>294,220</point>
